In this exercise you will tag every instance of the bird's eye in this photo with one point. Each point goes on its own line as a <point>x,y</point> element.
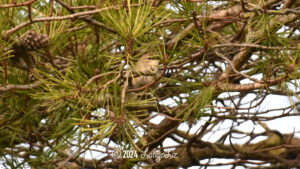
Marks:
<point>150,58</point>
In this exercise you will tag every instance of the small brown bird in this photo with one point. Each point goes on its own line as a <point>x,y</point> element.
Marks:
<point>147,69</point>
<point>146,65</point>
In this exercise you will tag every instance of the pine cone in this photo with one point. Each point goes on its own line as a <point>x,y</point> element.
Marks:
<point>32,40</point>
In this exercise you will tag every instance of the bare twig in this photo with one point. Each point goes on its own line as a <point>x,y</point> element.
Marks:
<point>18,4</point>
<point>98,76</point>
<point>235,70</point>
<point>19,87</point>
<point>245,45</point>
<point>57,18</point>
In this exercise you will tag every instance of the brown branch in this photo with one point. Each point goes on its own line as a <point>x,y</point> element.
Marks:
<point>210,17</point>
<point>84,7</point>
<point>236,71</point>
<point>240,59</point>
<point>71,16</point>
<point>103,86</point>
<point>161,137</point>
<point>233,11</point>
<point>250,86</point>
<point>29,13</point>
<point>204,150</point>
<point>99,76</point>
<point>248,45</point>
<point>18,4</point>
<point>19,87</point>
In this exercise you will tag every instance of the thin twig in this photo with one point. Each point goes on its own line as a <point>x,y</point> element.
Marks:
<point>58,18</point>
<point>98,76</point>
<point>249,45</point>
<point>29,13</point>
<point>20,87</point>
<point>18,4</point>
<point>84,7</point>
<point>235,70</point>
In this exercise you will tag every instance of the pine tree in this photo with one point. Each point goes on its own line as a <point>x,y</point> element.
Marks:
<point>74,94</point>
